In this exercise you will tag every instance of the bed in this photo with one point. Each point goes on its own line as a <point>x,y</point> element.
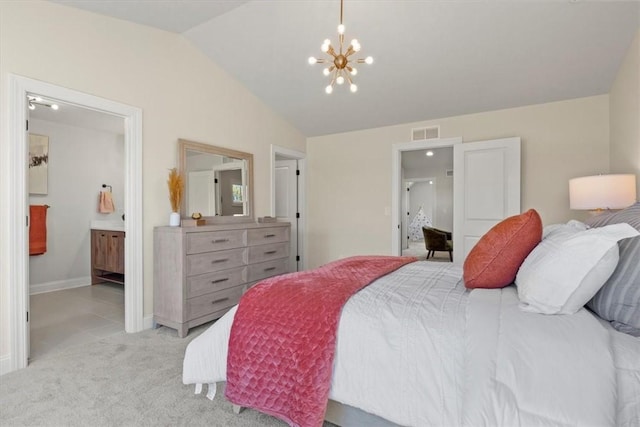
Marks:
<point>416,348</point>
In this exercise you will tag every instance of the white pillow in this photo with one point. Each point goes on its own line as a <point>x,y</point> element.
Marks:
<point>569,266</point>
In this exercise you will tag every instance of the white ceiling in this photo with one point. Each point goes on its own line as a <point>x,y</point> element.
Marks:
<point>416,162</point>
<point>433,59</point>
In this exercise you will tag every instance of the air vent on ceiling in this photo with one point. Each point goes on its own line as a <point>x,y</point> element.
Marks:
<point>449,172</point>
<point>419,134</point>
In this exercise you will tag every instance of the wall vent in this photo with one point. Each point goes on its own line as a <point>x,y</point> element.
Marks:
<point>431,132</point>
<point>449,172</point>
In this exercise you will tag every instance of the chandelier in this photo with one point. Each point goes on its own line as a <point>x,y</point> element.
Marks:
<point>340,64</point>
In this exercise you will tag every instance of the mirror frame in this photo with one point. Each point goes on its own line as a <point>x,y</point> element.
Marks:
<point>183,146</point>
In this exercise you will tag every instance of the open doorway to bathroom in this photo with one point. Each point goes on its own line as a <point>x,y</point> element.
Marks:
<point>426,199</point>
<point>76,197</point>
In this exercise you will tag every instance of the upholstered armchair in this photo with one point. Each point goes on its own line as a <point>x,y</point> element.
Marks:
<point>437,240</point>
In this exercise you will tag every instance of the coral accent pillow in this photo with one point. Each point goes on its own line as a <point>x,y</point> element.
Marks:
<point>494,261</point>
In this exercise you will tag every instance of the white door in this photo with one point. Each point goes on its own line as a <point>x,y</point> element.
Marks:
<point>286,189</point>
<point>27,281</point>
<point>486,188</point>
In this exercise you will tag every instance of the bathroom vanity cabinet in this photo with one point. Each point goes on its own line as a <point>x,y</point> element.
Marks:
<point>107,256</point>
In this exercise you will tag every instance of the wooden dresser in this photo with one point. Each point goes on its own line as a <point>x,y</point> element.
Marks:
<point>199,273</point>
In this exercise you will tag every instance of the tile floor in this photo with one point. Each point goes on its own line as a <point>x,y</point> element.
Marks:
<point>74,316</point>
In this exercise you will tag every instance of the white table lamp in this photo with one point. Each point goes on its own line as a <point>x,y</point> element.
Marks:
<point>601,192</point>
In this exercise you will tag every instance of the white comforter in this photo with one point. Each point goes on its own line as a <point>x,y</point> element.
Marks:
<point>416,348</point>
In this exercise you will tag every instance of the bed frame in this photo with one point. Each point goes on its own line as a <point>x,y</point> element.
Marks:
<point>345,416</point>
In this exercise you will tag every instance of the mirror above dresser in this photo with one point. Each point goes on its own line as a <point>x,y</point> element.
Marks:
<point>218,182</point>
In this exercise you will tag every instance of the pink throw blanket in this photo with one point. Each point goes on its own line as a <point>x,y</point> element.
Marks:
<point>282,343</point>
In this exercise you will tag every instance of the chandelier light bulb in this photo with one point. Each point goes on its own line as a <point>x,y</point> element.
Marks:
<point>31,106</point>
<point>338,62</point>
<point>429,153</point>
<point>37,99</point>
<point>54,106</point>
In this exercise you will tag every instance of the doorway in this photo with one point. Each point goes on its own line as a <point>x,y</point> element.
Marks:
<point>287,199</point>
<point>486,188</point>
<point>16,244</point>
<point>420,203</point>
<point>69,304</point>
<point>412,163</point>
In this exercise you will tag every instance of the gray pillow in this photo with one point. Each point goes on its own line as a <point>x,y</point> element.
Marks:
<point>619,299</point>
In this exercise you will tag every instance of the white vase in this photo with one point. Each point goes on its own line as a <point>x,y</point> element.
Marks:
<point>174,219</point>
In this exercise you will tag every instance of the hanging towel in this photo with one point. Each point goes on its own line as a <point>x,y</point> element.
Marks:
<point>37,229</point>
<point>106,202</point>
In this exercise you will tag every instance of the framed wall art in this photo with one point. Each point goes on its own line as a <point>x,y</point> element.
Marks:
<point>38,164</point>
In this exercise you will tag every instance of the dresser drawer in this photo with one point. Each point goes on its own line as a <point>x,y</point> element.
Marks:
<point>207,304</point>
<point>261,236</point>
<point>267,269</point>
<point>263,253</point>
<point>215,261</point>
<point>211,282</point>
<point>215,241</point>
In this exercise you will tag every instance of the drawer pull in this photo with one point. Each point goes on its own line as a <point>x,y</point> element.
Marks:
<point>220,280</point>
<point>266,236</point>
<point>270,252</point>
<point>215,301</point>
<point>216,261</point>
<point>220,241</point>
<point>269,269</point>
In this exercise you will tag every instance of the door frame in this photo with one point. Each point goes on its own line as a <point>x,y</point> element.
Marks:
<point>15,242</point>
<point>301,157</point>
<point>435,201</point>
<point>396,181</point>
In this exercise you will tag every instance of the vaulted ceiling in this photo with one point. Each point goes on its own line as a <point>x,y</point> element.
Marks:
<point>433,59</point>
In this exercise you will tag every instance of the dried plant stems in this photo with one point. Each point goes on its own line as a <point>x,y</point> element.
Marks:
<point>176,186</point>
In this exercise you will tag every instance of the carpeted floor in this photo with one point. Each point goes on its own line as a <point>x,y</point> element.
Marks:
<point>121,380</point>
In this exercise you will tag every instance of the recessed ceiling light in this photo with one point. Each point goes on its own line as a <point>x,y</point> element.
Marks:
<point>429,153</point>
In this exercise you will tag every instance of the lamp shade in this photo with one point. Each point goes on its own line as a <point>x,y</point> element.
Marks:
<point>602,192</point>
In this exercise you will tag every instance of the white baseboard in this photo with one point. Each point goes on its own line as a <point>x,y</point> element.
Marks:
<point>147,322</point>
<point>59,285</point>
<point>5,364</point>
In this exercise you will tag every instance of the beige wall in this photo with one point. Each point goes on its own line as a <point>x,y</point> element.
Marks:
<point>624,115</point>
<point>181,92</point>
<point>349,174</point>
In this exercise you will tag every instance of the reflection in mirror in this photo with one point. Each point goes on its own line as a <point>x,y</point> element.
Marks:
<point>217,181</point>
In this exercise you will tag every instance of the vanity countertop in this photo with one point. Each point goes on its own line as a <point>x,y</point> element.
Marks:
<point>107,225</point>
